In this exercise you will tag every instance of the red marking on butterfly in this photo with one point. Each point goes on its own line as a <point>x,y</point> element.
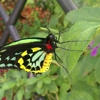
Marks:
<point>49,47</point>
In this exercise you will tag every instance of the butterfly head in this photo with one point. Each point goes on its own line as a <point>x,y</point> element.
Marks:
<point>51,43</point>
<point>52,38</point>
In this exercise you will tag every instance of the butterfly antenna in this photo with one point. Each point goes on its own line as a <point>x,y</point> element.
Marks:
<point>56,56</point>
<point>69,49</point>
<point>65,69</point>
<point>71,41</point>
<point>49,30</point>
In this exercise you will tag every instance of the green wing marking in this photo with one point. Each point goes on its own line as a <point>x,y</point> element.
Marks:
<point>23,41</point>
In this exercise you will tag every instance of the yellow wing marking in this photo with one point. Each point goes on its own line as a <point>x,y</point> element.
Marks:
<point>23,67</point>
<point>20,61</point>
<point>24,53</point>
<point>35,49</point>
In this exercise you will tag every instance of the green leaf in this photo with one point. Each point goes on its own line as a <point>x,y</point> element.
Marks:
<point>63,96</point>
<point>1,93</point>
<point>47,80</point>
<point>21,82</point>
<point>81,32</point>
<point>88,85</point>
<point>8,85</point>
<point>23,74</point>
<point>9,93</point>
<point>41,91</point>
<point>77,95</point>
<point>27,95</point>
<point>63,91</point>
<point>54,20</point>
<point>20,94</point>
<point>97,70</point>
<point>52,87</point>
<point>39,84</point>
<point>89,14</point>
<point>64,87</point>
<point>2,0</point>
<point>82,86</point>
<point>31,81</point>
<point>59,80</point>
<point>77,72</point>
<point>88,63</point>
<point>14,74</point>
<point>30,1</point>
<point>53,69</point>
<point>30,88</point>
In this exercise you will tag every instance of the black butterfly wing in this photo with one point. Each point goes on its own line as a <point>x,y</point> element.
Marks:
<point>10,52</point>
<point>34,60</point>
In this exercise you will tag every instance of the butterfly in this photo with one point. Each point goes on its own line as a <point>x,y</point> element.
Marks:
<point>29,54</point>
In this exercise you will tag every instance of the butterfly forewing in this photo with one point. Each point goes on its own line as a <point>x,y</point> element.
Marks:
<point>10,52</point>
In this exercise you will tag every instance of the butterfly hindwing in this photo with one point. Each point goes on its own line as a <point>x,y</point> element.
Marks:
<point>34,60</point>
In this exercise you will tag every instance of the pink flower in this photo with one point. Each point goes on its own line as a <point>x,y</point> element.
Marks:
<point>94,50</point>
<point>4,98</point>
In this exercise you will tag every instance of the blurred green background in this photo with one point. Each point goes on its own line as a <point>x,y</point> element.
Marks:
<point>79,27</point>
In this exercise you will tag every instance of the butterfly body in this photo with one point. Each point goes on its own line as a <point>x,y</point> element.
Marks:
<point>30,54</point>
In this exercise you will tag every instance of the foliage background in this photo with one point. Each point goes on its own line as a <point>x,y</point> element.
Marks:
<point>81,25</point>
